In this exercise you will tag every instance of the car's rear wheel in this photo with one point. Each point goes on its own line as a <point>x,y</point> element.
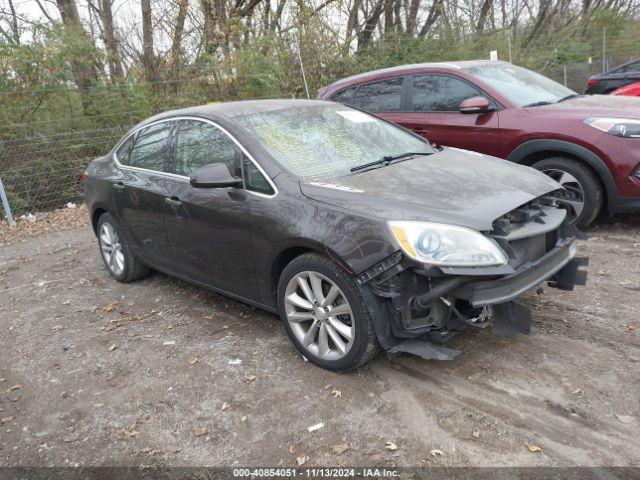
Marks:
<point>583,195</point>
<point>115,251</point>
<point>325,315</point>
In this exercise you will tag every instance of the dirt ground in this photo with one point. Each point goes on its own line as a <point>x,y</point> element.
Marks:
<point>94,372</point>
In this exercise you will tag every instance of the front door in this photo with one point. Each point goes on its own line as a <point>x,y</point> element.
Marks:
<point>209,228</point>
<point>140,191</point>
<point>432,111</point>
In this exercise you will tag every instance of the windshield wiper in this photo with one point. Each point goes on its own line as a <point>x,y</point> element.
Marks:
<point>537,104</point>
<point>388,159</point>
<point>569,97</point>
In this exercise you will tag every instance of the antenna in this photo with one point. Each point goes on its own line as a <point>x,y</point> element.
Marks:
<point>304,77</point>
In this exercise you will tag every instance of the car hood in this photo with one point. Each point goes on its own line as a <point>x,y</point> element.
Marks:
<point>452,186</point>
<point>591,106</point>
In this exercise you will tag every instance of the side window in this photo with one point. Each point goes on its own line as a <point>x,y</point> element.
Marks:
<point>344,96</point>
<point>151,147</point>
<point>199,144</point>
<point>254,180</point>
<point>124,152</point>
<point>384,96</point>
<point>439,93</point>
<point>632,67</point>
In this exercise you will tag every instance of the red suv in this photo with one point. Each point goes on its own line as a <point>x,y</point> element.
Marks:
<point>589,144</point>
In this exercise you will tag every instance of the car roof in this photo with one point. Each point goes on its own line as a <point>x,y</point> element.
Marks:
<point>416,66</point>
<point>234,109</point>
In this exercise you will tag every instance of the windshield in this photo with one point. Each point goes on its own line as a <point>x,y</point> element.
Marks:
<point>521,86</point>
<point>326,141</point>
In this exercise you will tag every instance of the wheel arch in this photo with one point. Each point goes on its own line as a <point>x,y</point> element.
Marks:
<point>530,152</point>
<point>95,215</point>
<point>293,249</point>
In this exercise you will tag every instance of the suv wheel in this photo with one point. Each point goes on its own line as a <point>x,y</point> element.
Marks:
<point>583,195</point>
<point>115,251</point>
<point>324,314</point>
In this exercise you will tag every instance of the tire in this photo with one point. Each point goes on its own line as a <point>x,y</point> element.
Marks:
<point>344,354</point>
<point>587,182</point>
<point>124,268</point>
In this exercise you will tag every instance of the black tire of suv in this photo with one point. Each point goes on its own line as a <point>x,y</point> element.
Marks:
<point>365,346</point>
<point>132,270</point>
<point>591,186</point>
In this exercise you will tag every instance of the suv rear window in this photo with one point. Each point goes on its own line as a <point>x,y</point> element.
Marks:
<point>383,96</point>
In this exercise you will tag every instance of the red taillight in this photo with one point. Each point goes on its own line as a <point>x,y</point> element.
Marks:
<point>592,82</point>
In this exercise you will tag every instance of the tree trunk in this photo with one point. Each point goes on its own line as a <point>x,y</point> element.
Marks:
<point>83,68</point>
<point>365,35</point>
<point>484,15</point>
<point>412,16</point>
<point>148,58</point>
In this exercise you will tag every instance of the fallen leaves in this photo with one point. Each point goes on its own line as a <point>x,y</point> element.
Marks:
<point>476,434</point>
<point>56,328</point>
<point>131,431</point>
<point>4,420</point>
<point>15,387</point>
<point>249,378</point>
<point>390,446</point>
<point>112,347</point>
<point>194,360</point>
<point>336,393</point>
<point>225,405</point>
<point>202,431</point>
<point>339,449</point>
<point>631,330</point>
<point>301,460</point>
<point>110,307</point>
<point>436,453</point>
<point>292,449</point>
<point>169,327</point>
<point>534,448</point>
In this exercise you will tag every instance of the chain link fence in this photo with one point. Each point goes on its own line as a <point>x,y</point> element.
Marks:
<point>44,171</point>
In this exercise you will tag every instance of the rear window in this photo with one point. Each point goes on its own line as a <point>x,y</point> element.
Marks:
<point>383,96</point>
<point>151,147</point>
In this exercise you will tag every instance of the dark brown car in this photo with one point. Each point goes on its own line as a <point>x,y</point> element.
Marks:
<point>357,232</point>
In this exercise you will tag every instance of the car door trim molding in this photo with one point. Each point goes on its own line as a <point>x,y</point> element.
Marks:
<point>183,177</point>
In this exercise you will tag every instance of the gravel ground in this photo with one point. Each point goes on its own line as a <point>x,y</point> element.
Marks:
<point>95,373</point>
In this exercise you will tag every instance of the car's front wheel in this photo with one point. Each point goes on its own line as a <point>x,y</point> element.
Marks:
<point>325,315</point>
<point>583,194</point>
<point>115,251</point>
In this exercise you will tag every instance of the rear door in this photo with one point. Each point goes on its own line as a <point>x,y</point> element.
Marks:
<point>141,189</point>
<point>209,228</point>
<point>432,110</point>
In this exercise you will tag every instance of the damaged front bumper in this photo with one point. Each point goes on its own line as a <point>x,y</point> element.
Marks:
<point>419,307</point>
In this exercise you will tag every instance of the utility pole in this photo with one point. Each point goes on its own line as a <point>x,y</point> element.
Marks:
<point>604,49</point>
<point>509,40</point>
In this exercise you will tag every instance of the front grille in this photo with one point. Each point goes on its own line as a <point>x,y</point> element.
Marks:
<point>529,231</point>
<point>533,211</point>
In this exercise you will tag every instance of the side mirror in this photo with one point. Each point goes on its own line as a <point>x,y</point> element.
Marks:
<point>475,105</point>
<point>216,175</point>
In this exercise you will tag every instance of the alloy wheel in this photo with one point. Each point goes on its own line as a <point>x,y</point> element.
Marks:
<point>319,315</point>
<point>111,249</point>
<point>573,195</point>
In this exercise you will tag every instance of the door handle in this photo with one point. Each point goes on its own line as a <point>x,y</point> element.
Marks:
<point>173,201</point>
<point>119,186</point>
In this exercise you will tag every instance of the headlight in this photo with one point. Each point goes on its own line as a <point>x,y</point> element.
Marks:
<point>446,245</point>
<point>621,127</point>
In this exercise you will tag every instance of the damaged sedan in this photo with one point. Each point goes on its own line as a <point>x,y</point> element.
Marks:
<point>358,233</point>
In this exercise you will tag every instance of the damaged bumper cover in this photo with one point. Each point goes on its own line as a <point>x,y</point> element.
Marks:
<point>559,266</point>
<point>424,307</point>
